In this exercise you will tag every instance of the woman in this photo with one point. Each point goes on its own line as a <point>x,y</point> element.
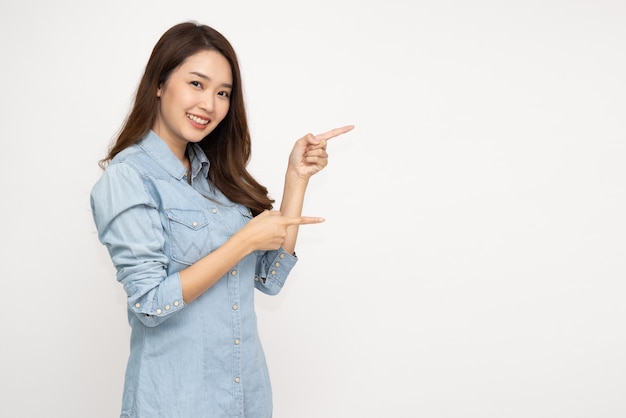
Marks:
<point>191,233</point>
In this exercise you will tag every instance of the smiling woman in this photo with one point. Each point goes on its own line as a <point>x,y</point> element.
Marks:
<point>192,234</point>
<point>192,102</point>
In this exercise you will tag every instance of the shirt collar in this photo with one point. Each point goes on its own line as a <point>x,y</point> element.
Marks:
<point>162,155</point>
<point>199,160</point>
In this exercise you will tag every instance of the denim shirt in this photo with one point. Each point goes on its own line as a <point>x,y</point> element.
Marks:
<point>202,359</point>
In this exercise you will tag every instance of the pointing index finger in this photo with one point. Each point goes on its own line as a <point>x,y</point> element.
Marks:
<point>303,220</point>
<point>334,132</point>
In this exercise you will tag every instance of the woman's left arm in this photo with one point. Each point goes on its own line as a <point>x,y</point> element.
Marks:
<point>307,157</point>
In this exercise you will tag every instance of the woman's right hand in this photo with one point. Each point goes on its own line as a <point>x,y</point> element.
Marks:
<point>267,230</point>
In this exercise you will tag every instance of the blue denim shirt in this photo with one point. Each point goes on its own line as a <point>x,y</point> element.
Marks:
<point>198,360</point>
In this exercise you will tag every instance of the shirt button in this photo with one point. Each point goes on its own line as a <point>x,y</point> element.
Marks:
<point>175,303</point>
<point>237,380</point>
<point>137,305</point>
<point>237,342</point>
<point>235,307</point>
<point>194,223</point>
<point>277,264</point>
<point>282,255</point>
<point>233,273</point>
<point>158,311</point>
<point>256,278</point>
<point>213,210</point>
<point>273,271</point>
<point>167,307</point>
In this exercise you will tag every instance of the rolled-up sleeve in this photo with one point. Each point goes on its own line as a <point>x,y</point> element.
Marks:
<point>129,225</point>
<point>272,269</point>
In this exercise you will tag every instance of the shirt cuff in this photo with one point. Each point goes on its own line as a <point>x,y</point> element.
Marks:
<point>273,269</point>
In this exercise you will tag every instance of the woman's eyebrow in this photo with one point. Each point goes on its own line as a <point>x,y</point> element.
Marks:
<point>207,78</point>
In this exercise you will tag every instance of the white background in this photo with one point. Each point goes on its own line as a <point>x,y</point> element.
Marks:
<point>473,259</point>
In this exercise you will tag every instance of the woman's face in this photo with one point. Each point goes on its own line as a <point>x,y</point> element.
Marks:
<point>194,99</point>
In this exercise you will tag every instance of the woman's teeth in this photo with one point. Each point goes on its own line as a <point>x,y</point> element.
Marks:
<point>197,119</point>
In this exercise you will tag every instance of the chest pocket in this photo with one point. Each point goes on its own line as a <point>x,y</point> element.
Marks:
<point>190,237</point>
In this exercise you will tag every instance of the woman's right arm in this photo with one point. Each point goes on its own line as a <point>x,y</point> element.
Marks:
<point>129,225</point>
<point>267,231</point>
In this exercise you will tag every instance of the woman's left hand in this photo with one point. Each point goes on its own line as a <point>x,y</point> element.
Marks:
<point>309,155</point>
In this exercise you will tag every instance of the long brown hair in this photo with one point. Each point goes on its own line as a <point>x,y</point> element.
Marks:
<point>228,146</point>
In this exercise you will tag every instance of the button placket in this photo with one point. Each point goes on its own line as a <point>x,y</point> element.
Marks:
<point>235,297</point>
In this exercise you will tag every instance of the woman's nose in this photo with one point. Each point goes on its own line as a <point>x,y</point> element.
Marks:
<point>207,103</point>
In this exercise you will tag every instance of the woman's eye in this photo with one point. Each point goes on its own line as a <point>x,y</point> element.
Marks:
<point>224,93</point>
<point>196,84</point>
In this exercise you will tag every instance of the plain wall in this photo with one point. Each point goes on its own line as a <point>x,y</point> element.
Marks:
<point>473,259</point>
